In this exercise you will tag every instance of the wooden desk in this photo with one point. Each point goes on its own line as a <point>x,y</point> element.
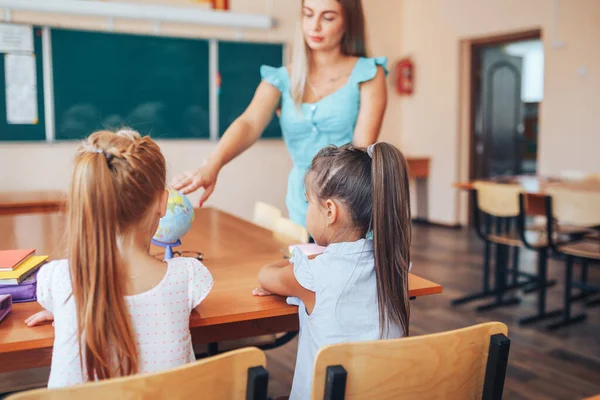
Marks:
<point>49,201</point>
<point>234,251</point>
<point>418,170</point>
<point>418,167</point>
<point>535,188</point>
<point>32,202</point>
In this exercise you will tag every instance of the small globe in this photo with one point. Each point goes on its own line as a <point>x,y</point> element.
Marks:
<point>178,219</point>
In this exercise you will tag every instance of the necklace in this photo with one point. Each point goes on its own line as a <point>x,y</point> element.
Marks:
<point>328,82</point>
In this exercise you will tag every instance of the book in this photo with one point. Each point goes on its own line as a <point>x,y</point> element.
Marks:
<point>24,270</point>
<point>12,259</point>
<point>5,305</point>
<point>310,249</point>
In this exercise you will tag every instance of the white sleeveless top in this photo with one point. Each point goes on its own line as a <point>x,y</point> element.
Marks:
<point>346,308</point>
<point>160,317</point>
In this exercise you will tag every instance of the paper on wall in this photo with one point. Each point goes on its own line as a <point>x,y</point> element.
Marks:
<point>21,89</point>
<point>16,38</point>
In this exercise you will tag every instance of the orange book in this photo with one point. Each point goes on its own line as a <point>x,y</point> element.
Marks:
<point>11,259</point>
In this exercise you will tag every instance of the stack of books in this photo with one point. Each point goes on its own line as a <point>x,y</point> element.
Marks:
<point>18,271</point>
<point>310,249</point>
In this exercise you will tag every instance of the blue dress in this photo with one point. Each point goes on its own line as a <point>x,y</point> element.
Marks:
<point>329,121</point>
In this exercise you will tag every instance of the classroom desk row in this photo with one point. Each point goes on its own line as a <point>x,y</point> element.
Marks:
<point>48,201</point>
<point>535,188</point>
<point>233,250</point>
<point>30,202</point>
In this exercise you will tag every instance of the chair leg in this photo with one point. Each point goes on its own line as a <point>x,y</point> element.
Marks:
<point>584,293</point>
<point>593,303</point>
<point>487,292</point>
<point>566,318</point>
<point>515,263</point>
<point>501,268</point>
<point>542,289</point>
<point>486,267</point>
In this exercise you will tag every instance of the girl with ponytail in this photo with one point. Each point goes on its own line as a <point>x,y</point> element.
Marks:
<point>358,288</point>
<point>117,311</point>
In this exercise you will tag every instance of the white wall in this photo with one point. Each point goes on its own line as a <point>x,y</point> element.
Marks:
<point>432,120</point>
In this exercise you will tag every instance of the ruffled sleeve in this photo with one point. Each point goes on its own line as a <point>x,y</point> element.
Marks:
<point>368,68</point>
<point>44,290</point>
<point>274,76</point>
<point>200,282</point>
<point>303,270</point>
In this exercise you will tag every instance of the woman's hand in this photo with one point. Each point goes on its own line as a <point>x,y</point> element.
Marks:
<point>204,177</point>
<point>40,317</point>
<point>261,292</point>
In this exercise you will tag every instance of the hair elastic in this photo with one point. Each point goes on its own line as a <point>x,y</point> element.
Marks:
<point>370,150</point>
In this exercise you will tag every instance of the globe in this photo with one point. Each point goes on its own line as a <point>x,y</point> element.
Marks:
<point>177,220</point>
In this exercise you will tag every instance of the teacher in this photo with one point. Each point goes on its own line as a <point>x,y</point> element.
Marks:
<point>331,94</point>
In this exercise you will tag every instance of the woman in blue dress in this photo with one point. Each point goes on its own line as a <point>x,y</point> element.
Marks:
<point>331,94</point>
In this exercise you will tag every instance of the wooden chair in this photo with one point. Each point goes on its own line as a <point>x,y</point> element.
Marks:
<point>291,230</point>
<point>468,363</point>
<point>240,374</point>
<point>266,215</point>
<point>579,208</point>
<point>498,204</point>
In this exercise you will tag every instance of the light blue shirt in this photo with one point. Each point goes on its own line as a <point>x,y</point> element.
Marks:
<point>329,121</point>
<point>346,307</point>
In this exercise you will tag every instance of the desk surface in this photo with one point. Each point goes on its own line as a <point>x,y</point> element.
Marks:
<point>535,188</point>
<point>32,201</point>
<point>536,185</point>
<point>234,252</point>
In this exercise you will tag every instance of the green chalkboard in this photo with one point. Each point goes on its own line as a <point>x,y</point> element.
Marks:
<point>14,132</point>
<point>239,67</point>
<point>156,85</point>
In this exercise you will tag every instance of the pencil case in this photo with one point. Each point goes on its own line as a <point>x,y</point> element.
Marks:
<point>24,292</point>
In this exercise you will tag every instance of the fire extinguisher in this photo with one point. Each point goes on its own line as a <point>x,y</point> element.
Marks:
<point>405,76</point>
<point>220,4</point>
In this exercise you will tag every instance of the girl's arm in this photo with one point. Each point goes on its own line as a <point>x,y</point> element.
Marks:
<point>278,278</point>
<point>240,135</point>
<point>373,100</point>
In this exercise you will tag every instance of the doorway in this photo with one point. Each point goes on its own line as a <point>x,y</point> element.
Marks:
<point>506,94</point>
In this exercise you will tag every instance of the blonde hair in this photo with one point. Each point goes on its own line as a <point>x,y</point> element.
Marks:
<point>117,177</point>
<point>353,44</point>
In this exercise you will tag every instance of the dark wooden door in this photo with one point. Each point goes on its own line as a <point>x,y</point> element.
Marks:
<point>498,125</point>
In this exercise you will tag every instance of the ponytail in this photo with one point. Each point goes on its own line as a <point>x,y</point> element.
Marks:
<point>102,205</point>
<point>391,234</point>
<point>373,185</point>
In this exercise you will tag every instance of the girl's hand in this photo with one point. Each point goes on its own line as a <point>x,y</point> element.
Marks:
<point>40,317</point>
<point>205,177</point>
<point>261,292</point>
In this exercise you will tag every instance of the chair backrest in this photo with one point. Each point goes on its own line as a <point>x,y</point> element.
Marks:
<point>467,363</point>
<point>291,230</point>
<point>236,375</point>
<point>266,215</point>
<point>498,199</point>
<point>570,205</point>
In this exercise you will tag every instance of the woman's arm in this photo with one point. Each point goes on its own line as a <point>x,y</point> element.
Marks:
<point>240,135</point>
<point>373,100</point>
<point>278,278</point>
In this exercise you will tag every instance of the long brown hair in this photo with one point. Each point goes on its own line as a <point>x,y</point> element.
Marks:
<point>374,189</point>
<point>116,179</point>
<point>354,43</point>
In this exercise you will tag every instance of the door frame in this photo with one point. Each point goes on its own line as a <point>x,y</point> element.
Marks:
<point>466,102</point>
